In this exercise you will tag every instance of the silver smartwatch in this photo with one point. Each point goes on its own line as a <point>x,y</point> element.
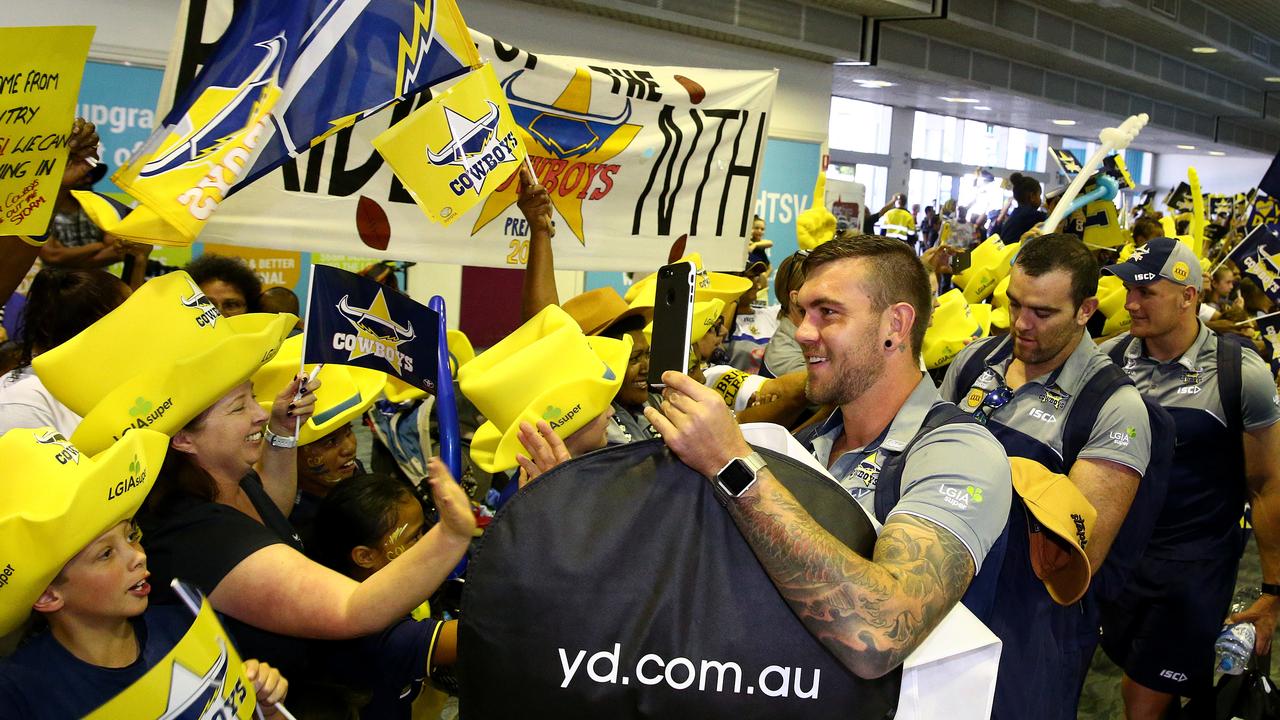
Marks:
<point>739,474</point>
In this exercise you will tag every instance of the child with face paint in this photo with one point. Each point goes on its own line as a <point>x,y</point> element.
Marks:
<point>362,525</point>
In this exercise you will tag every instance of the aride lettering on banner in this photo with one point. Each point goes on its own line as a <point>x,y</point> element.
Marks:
<point>633,156</point>
<point>40,69</point>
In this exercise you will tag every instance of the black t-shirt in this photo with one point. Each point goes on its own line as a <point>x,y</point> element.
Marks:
<point>43,680</point>
<point>200,541</point>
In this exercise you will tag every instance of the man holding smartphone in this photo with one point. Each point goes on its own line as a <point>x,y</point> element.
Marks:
<point>866,304</point>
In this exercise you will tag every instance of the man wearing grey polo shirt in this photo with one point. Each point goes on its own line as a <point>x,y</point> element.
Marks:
<point>866,302</point>
<point>1023,388</point>
<point>1162,629</point>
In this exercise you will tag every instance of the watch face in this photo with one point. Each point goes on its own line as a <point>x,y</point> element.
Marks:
<point>736,477</point>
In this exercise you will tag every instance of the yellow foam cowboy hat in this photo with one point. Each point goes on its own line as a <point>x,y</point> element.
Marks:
<point>704,318</point>
<point>345,392</point>
<point>1060,508</point>
<point>55,500</point>
<point>990,263</point>
<point>1111,300</point>
<point>1000,304</point>
<point>545,370</point>
<point>460,353</point>
<point>953,325</point>
<point>160,359</point>
<point>707,285</point>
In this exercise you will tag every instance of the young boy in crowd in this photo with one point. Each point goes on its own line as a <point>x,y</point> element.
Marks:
<point>72,554</point>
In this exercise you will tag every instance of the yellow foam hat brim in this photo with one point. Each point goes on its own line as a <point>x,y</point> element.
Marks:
<point>1058,505</point>
<point>344,394</point>
<point>707,286</point>
<point>954,324</point>
<point>1000,318</point>
<point>167,399</point>
<point>577,401</point>
<point>56,499</point>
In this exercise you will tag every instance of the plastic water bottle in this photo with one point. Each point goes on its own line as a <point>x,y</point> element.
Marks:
<point>1234,647</point>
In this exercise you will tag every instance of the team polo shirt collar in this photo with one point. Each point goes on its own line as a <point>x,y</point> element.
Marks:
<point>1068,377</point>
<point>901,430</point>
<point>1138,351</point>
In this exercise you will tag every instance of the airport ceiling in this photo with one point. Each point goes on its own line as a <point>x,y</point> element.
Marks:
<point>1029,61</point>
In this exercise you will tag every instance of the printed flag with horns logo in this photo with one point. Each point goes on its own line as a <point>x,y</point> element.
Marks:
<point>1258,256</point>
<point>352,320</point>
<point>284,77</point>
<point>201,677</point>
<point>457,149</point>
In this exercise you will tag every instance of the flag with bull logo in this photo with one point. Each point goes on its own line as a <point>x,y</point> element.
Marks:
<point>352,320</point>
<point>201,677</point>
<point>1258,256</point>
<point>284,77</point>
<point>1269,328</point>
<point>457,149</point>
<point>1264,210</point>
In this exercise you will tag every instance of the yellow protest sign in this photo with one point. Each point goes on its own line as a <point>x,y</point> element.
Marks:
<point>457,149</point>
<point>40,70</point>
<point>202,676</point>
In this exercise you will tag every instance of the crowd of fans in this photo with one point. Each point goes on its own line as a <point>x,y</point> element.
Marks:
<point>1041,379</point>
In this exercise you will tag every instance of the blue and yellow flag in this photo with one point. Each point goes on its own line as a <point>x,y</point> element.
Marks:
<point>352,320</point>
<point>202,677</point>
<point>1258,256</point>
<point>457,149</point>
<point>284,77</point>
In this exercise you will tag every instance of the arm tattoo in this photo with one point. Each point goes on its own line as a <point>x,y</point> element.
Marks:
<point>869,613</point>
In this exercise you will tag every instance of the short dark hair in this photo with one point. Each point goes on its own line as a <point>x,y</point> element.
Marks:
<point>61,303</point>
<point>356,512</point>
<point>790,276</point>
<point>279,299</point>
<point>1061,251</point>
<point>232,271</point>
<point>1147,228</point>
<point>896,275</point>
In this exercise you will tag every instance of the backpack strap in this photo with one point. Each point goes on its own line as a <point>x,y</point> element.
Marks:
<point>973,365</point>
<point>1117,353</point>
<point>1087,405</point>
<point>889,484</point>
<point>1230,383</point>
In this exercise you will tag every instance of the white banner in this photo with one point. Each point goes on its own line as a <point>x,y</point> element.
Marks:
<point>633,156</point>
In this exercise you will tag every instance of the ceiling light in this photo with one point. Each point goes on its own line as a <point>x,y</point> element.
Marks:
<point>1204,50</point>
<point>872,84</point>
<point>1216,153</point>
<point>958,99</point>
<point>981,107</point>
<point>1186,147</point>
<point>1064,122</point>
<point>1273,78</point>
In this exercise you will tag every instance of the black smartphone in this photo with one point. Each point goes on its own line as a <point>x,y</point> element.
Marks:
<point>961,262</point>
<point>672,321</point>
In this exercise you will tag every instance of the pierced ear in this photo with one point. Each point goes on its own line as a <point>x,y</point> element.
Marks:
<point>49,601</point>
<point>364,556</point>
<point>902,317</point>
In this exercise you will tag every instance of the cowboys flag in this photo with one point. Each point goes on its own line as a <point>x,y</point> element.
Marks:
<point>352,320</point>
<point>284,76</point>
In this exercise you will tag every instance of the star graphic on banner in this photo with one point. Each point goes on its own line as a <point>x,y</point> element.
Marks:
<point>189,691</point>
<point>375,325</point>
<point>574,101</point>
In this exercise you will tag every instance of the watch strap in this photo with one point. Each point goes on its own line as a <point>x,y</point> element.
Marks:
<point>1271,588</point>
<point>280,441</point>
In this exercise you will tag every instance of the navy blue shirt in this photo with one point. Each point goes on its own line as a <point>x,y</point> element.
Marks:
<point>1022,219</point>
<point>43,680</point>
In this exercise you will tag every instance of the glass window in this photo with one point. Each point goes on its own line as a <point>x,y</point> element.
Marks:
<point>925,188</point>
<point>860,126</point>
<point>936,137</point>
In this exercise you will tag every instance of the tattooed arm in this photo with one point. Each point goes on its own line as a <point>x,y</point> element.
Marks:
<point>869,613</point>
